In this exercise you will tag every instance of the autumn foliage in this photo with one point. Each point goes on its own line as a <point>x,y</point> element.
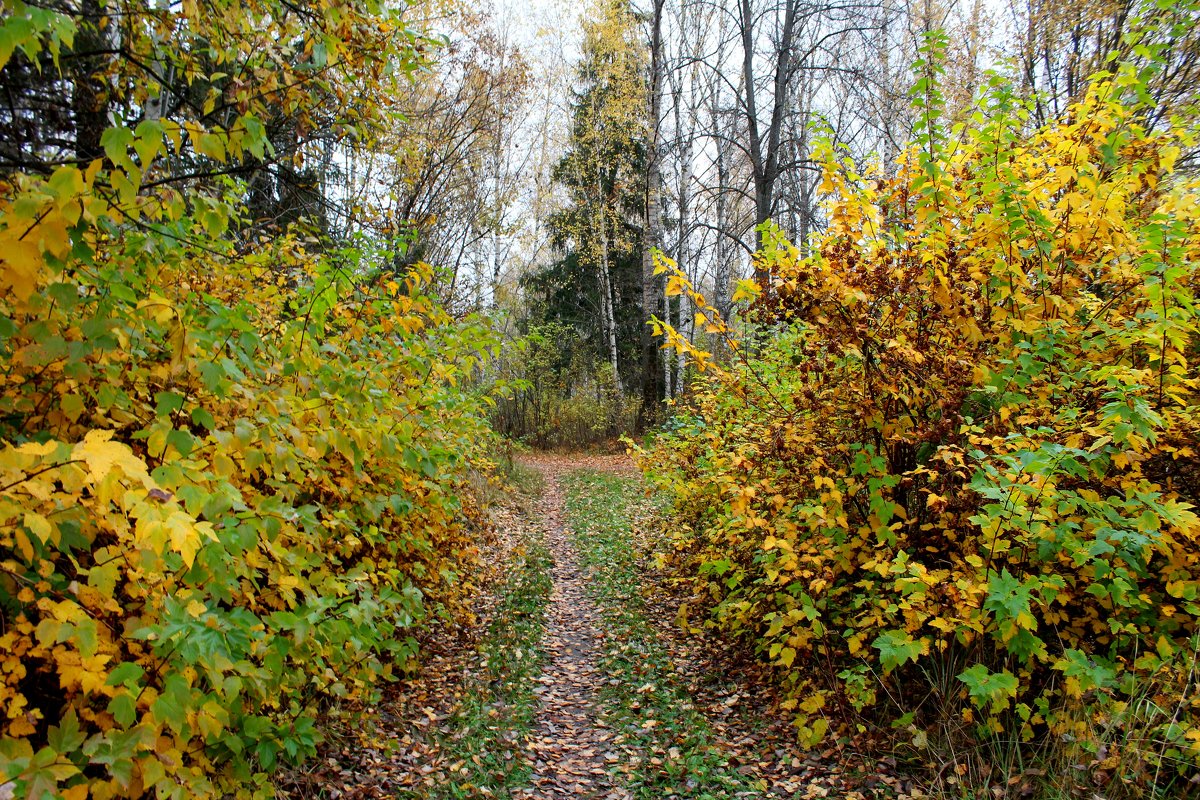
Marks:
<point>950,484</point>
<point>233,466</point>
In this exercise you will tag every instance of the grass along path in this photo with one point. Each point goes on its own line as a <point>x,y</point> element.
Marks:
<point>477,750</point>
<point>667,745</point>
<point>571,748</point>
<point>691,722</point>
<point>458,728</point>
<point>499,701</point>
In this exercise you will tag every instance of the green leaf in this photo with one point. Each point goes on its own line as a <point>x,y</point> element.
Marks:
<point>897,648</point>
<point>86,637</point>
<point>1091,672</point>
<point>66,736</point>
<point>116,143</point>
<point>203,418</point>
<point>149,140</point>
<point>127,673</point>
<point>995,689</point>
<point>168,403</point>
<point>182,441</point>
<point>171,706</point>
<point>123,707</point>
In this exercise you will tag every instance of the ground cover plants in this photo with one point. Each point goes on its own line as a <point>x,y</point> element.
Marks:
<point>941,483</point>
<point>949,485</point>
<point>498,704</point>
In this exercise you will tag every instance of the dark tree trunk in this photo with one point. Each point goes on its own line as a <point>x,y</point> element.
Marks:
<point>652,388</point>
<point>89,93</point>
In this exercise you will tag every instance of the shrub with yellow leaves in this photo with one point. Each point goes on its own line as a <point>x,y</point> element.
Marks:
<point>955,477</point>
<point>213,516</point>
<point>234,472</point>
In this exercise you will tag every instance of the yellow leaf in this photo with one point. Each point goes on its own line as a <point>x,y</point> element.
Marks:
<point>22,267</point>
<point>223,465</point>
<point>746,290</point>
<point>24,545</point>
<point>161,309</point>
<point>813,704</point>
<point>40,527</point>
<point>178,341</point>
<point>38,450</point>
<point>102,455</point>
<point>72,406</point>
<point>187,535</point>
<point>67,183</point>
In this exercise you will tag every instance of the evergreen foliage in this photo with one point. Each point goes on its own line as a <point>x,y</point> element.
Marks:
<point>594,286</point>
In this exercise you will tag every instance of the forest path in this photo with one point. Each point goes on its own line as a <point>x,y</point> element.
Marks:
<point>571,749</point>
<point>574,680</point>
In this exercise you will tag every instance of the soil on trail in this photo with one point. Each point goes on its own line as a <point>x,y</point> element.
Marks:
<point>571,750</point>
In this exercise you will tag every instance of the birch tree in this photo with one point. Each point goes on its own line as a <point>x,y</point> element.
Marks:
<point>652,233</point>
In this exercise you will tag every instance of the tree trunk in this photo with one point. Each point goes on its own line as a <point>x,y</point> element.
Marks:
<point>764,151</point>
<point>89,101</point>
<point>608,322</point>
<point>683,254</point>
<point>723,277</point>
<point>652,231</point>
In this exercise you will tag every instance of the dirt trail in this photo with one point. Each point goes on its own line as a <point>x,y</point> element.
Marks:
<point>570,749</point>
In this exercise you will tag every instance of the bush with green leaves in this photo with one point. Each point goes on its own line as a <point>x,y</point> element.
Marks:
<point>954,484</point>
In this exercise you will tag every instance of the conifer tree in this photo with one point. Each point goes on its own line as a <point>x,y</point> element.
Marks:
<point>595,283</point>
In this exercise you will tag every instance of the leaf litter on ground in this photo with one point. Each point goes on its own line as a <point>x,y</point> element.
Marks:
<point>702,718</point>
<point>456,728</point>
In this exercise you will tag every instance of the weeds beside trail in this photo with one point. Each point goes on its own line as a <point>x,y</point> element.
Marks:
<point>498,702</point>
<point>458,728</point>
<point>689,722</point>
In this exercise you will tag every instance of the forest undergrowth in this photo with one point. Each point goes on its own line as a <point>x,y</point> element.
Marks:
<point>934,468</point>
<point>236,455</point>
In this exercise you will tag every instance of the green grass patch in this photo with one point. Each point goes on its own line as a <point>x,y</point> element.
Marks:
<point>485,735</point>
<point>648,703</point>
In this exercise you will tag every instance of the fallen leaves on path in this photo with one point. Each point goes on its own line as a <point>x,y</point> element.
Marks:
<point>728,693</point>
<point>571,750</point>
<point>404,747</point>
<point>741,704</point>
